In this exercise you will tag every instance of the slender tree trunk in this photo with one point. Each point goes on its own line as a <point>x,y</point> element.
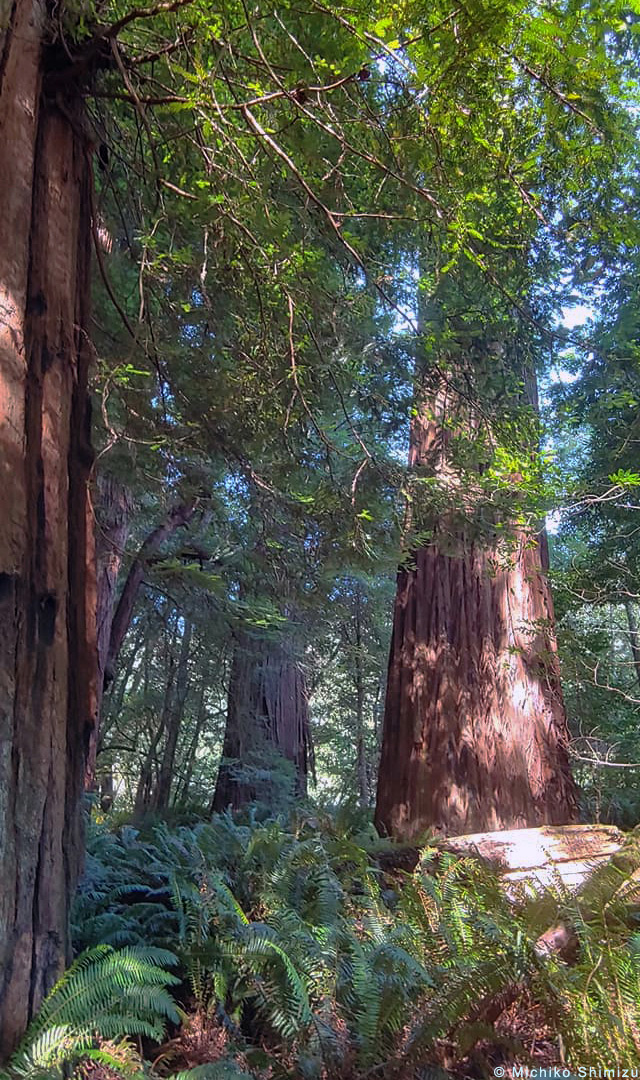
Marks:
<point>128,685</point>
<point>127,682</point>
<point>268,710</point>
<point>634,636</point>
<point>475,734</point>
<point>47,572</point>
<point>361,750</point>
<point>113,517</point>
<point>174,721</point>
<point>144,790</point>
<point>190,756</point>
<point>177,517</point>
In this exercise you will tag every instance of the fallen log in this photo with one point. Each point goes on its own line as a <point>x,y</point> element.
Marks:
<point>530,861</point>
<point>549,855</point>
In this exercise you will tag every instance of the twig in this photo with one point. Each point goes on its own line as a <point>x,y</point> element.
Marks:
<point>140,13</point>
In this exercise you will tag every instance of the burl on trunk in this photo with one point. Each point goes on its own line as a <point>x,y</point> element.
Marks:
<point>47,581</point>
<point>475,735</point>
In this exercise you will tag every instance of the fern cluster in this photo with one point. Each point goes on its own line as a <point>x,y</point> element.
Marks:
<point>104,993</point>
<point>599,995</point>
<point>309,961</point>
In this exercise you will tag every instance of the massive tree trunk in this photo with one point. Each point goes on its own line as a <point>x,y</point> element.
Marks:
<point>47,575</point>
<point>475,735</point>
<point>267,716</point>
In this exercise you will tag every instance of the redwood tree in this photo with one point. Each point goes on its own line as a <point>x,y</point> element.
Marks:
<point>47,579</point>
<point>475,734</point>
<point>267,716</point>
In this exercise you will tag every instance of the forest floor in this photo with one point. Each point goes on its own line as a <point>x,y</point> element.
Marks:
<point>298,951</point>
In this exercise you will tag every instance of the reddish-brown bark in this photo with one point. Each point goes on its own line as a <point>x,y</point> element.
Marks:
<point>268,709</point>
<point>47,574</point>
<point>475,735</point>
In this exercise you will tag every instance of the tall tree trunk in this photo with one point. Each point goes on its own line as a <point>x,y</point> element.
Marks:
<point>192,750</point>
<point>173,722</point>
<point>475,733</point>
<point>47,573</point>
<point>361,750</point>
<point>176,518</point>
<point>144,790</point>
<point>113,511</point>
<point>127,682</point>
<point>634,636</point>
<point>268,710</point>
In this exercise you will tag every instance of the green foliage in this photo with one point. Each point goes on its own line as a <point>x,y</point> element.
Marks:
<point>313,961</point>
<point>106,993</point>
<point>597,552</point>
<point>598,998</point>
<point>308,207</point>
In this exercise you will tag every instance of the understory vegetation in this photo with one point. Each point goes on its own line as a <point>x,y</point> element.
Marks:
<point>272,950</point>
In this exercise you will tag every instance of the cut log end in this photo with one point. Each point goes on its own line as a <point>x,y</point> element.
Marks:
<point>549,855</point>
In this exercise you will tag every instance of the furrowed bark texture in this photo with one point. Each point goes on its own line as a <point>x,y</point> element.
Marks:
<point>475,735</point>
<point>47,574</point>
<point>268,708</point>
